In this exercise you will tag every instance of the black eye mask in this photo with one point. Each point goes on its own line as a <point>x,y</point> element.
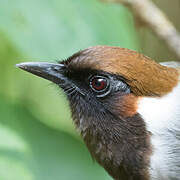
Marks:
<point>111,83</point>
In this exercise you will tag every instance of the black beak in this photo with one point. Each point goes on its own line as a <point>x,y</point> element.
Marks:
<point>50,71</point>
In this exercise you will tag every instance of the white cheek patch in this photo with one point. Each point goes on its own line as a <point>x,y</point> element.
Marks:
<point>162,118</point>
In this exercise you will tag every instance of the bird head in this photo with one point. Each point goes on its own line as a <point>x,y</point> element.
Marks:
<point>104,86</point>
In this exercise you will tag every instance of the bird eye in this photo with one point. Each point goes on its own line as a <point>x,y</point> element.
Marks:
<point>99,83</point>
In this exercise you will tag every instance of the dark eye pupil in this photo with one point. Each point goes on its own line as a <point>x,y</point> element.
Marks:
<point>99,83</point>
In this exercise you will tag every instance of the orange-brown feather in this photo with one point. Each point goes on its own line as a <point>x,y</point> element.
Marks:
<point>128,105</point>
<point>144,76</point>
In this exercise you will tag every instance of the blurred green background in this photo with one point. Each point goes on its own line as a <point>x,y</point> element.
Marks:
<point>38,140</point>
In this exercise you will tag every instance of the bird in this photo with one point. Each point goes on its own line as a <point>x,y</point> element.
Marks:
<point>126,107</point>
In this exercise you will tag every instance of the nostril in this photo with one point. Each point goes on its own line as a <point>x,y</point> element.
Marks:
<point>56,68</point>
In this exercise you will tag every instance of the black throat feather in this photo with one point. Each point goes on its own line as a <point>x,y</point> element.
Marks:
<point>120,144</point>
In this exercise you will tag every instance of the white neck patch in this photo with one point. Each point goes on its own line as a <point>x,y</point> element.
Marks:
<point>162,118</point>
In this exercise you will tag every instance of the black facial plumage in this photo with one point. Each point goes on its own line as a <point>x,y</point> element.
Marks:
<point>99,101</point>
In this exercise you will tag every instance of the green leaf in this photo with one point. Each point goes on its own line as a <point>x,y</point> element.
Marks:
<point>40,30</point>
<point>43,30</point>
<point>30,150</point>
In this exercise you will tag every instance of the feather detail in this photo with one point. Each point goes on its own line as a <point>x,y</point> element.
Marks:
<point>162,118</point>
<point>142,74</point>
